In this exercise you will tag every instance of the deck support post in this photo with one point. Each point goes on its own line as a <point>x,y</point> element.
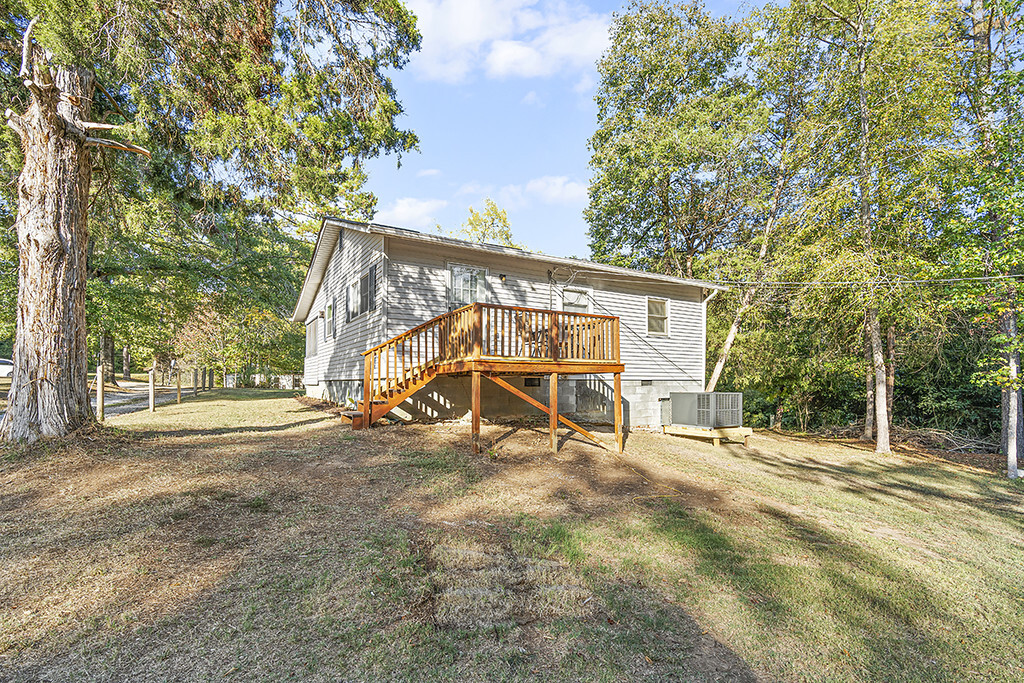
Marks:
<point>367,394</point>
<point>475,400</point>
<point>553,414</point>
<point>618,411</point>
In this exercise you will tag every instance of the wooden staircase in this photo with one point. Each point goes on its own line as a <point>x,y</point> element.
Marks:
<point>489,340</point>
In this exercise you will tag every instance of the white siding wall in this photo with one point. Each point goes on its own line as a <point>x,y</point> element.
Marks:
<point>340,356</point>
<point>417,292</point>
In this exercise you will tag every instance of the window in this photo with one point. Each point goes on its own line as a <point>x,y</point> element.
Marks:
<point>657,317</point>
<point>575,301</point>
<point>311,339</point>
<point>531,381</point>
<point>362,294</point>
<point>647,382</point>
<point>329,321</point>
<point>466,285</point>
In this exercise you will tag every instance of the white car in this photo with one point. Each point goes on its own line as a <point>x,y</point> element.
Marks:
<point>6,367</point>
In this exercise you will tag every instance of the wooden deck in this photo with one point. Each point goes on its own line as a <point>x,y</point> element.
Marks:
<point>486,340</point>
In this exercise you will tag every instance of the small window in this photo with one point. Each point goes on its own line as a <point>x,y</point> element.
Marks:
<point>362,294</point>
<point>311,339</point>
<point>575,301</point>
<point>531,381</point>
<point>329,321</point>
<point>657,317</point>
<point>647,382</point>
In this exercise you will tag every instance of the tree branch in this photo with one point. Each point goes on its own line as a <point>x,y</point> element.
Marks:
<point>26,47</point>
<point>117,144</point>
<point>106,94</point>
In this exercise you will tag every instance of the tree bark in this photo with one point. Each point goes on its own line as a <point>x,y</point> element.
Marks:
<point>890,371</point>
<point>864,214</point>
<point>1012,423</point>
<point>881,403</point>
<point>49,386</point>
<point>869,407</point>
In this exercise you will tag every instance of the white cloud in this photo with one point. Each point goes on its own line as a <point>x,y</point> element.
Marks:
<point>428,172</point>
<point>506,38</point>
<point>409,212</point>
<point>545,190</point>
<point>532,99</point>
<point>474,188</point>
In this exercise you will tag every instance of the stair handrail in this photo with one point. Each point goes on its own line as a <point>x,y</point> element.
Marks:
<point>414,330</point>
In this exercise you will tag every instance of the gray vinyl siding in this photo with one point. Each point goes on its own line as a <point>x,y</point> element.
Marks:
<point>417,291</point>
<point>340,356</point>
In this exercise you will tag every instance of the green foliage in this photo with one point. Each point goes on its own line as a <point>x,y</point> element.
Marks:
<point>489,225</point>
<point>737,150</point>
<point>258,115</point>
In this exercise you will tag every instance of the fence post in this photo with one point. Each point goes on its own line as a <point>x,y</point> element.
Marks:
<point>100,380</point>
<point>152,390</point>
<point>178,375</point>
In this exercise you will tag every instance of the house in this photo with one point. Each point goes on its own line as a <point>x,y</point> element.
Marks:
<point>382,289</point>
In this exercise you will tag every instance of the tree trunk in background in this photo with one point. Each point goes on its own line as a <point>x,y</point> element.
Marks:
<point>126,363</point>
<point>107,354</point>
<point>49,393</point>
<point>869,376</point>
<point>1012,422</point>
<point>881,402</point>
<point>890,371</point>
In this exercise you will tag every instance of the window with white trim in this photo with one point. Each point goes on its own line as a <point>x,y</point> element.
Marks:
<point>657,317</point>
<point>575,301</point>
<point>362,294</point>
<point>311,338</point>
<point>466,285</point>
<point>329,321</point>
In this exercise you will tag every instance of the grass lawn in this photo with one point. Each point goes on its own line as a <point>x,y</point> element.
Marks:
<point>245,536</point>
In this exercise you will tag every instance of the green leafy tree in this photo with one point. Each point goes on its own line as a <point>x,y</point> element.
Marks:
<point>276,103</point>
<point>490,225</point>
<point>672,176</point>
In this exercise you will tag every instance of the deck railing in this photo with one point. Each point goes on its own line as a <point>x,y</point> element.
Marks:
<point>490,332</point>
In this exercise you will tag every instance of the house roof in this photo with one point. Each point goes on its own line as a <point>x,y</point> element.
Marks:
<point>331,228</point>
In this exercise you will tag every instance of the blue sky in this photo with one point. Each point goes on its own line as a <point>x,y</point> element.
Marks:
<point>501,95</point>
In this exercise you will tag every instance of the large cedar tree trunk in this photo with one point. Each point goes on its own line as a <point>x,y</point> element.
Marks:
<point>49,387</point>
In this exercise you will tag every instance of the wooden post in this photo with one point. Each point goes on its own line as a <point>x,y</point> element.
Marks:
<point>211,379</point>
<point>618,410</point>
<point>195,382</point>
<point>553,337</point>
<point>152,389</point>
<point>100,390</point>
<point>475,400</point>
<point>478,314</point>
<point>553,415</point>
<point>367,393</point>
<point>178,374</point>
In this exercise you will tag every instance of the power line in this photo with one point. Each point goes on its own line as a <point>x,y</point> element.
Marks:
<point>896,281</point>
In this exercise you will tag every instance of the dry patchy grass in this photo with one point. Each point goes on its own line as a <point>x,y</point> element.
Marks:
<point>246,535</point>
